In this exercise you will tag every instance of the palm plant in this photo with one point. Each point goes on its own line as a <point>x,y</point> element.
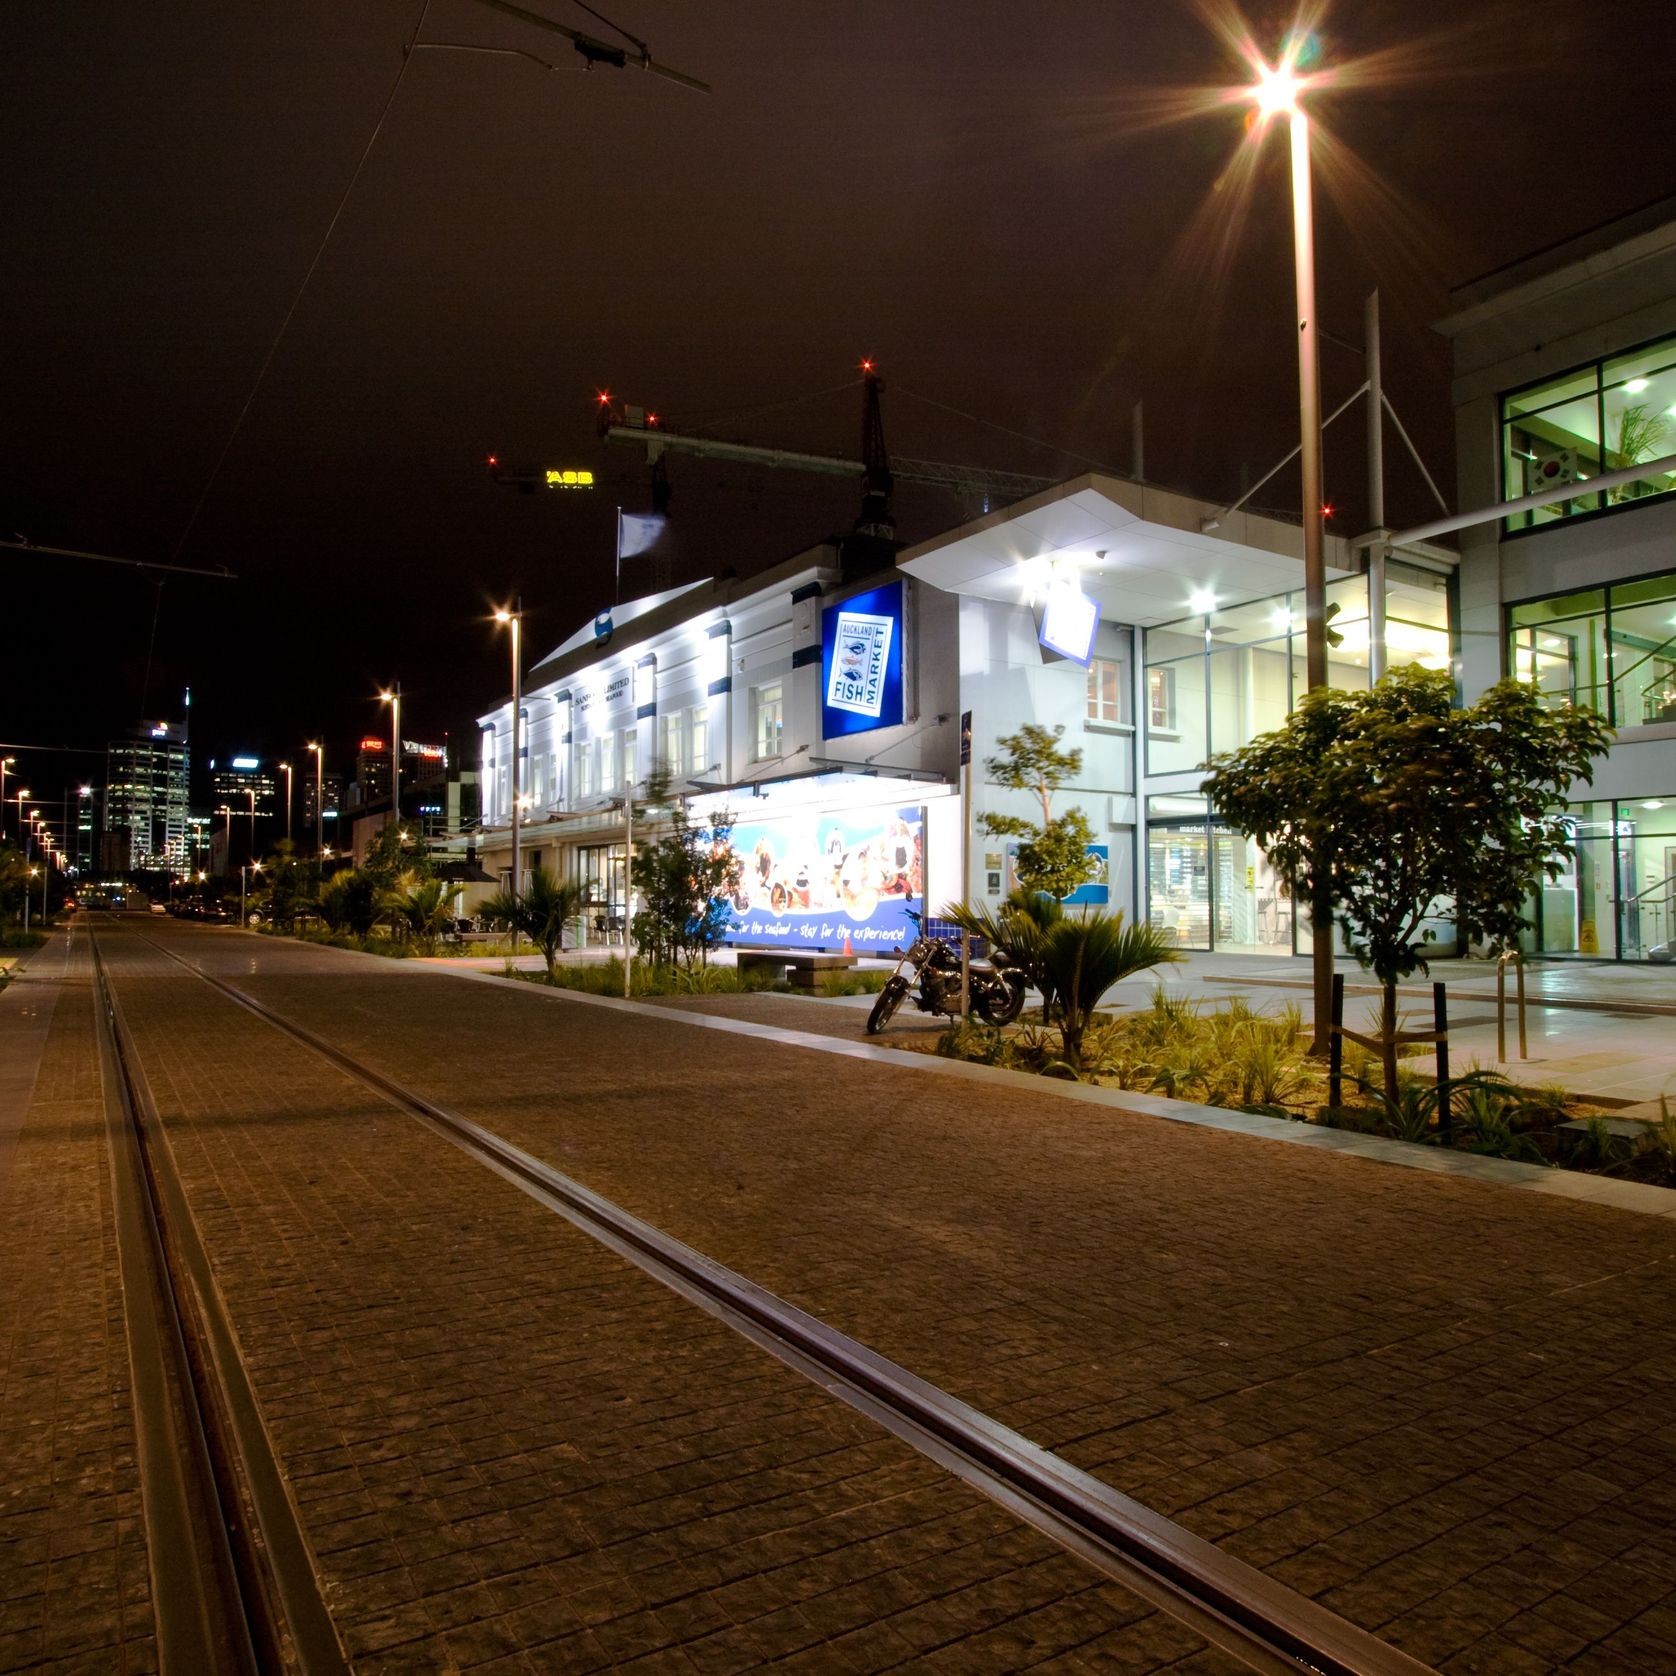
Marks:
<point>1081,957</point>
<point>541,911</point>
<point>423,911</point>
<point>1016,930</point>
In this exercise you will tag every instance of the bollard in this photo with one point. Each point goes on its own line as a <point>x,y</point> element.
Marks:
<point>1335,1046</point>
<point>1440,1023</point>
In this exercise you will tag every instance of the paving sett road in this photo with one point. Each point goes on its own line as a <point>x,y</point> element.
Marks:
<point>512,1451</point>
<point>1441,1407</point>
<point>75,1591</point>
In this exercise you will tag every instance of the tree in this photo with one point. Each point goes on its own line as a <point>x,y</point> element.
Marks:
<point>685,877</point>
<point>1083,955</point>
<point>423,911</point>
<point>1054,855</point>
<point>14,878</point>
<point>396,859</point>
<point>291,885</point>
<point>541,911</point>
<point>1393,806</point>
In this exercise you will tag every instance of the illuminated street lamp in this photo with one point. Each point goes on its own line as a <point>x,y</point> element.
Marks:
<point>319,750</point>
<point>393,697</point>
<point>245,870</point>
<point>514,619</point>
<point>285,768</point>
<point>1276,93</point>
<point>5,763</point>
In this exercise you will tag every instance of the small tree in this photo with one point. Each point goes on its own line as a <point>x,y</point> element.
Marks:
<point>1054,855</point>
<point>423,911</point>
<point>541,911</point>
<point>685,877</point>
<point>291,885</point>
<point>1393,806</point>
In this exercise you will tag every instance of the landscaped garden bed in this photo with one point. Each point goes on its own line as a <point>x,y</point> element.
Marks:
<point>1235,1057</point>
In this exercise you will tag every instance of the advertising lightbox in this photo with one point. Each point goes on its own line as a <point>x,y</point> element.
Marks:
<point>1069,619</point>
<point>861,663</point>
<point>820,879</point>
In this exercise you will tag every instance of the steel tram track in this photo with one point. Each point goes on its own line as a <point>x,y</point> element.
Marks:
<point>1268,1626</point>
<point>233,1585</point>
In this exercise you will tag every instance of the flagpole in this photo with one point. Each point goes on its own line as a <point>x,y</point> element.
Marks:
<point>617,596</point>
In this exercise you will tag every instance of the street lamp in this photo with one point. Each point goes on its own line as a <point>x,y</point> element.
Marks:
<point>245,870</point>
<point>393,697</point>
<point>285,767</point>
<point>514,619</point>
<point>1276,93</point>
<point>319,750</point>
<point>5,763</point>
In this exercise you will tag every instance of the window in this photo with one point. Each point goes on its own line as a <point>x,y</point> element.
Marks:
<point>767,721</point>
<point>1105,690</point>
<point>1612,650</point>
<point>608,756</point>
<point>1161,699</point>
<point>672,731</point>
<point>698,754</point>
<point>1565,431</point>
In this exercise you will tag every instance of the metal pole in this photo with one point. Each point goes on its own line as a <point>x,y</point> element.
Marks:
<point>628,885</point>
<point>1519,974</point>
<point>319,798</point>
<point>396,755</point>
<point>28,841</point>
<point>1501,1009</point>
<point>288,791</point>
<point>517,707</point>
<point>1315,572</point>
<point>1376,491</point>
<point>966,857</point>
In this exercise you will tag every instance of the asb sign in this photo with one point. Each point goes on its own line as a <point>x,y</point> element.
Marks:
<point>861,663</point>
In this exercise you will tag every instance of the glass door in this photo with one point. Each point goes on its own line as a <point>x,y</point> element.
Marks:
<point>1178,883</point>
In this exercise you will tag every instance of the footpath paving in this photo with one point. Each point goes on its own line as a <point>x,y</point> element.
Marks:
<point>75,1589</point>
<point>1439,1406</point>
<point>514,1452</point>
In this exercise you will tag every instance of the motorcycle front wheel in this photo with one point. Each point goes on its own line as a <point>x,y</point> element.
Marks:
<point>890,998</point>
<point>1001,1002</point>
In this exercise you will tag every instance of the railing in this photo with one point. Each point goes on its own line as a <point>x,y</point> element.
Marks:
<point>1667,885</point>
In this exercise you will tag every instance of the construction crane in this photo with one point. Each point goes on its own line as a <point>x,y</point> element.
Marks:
<point>977,487</point>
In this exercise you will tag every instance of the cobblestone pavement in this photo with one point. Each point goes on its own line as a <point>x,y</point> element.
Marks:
<point>512,1450</point>
<point>1441,1407</point>
<point>75,1590</point>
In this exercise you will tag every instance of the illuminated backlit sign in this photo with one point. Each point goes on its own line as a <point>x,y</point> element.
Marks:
<point>370,744</point>
<point>246,762</point>
<point>1069,620</point>
<point>570,480</point>
<point>413,748</point>
<point>861,662</point>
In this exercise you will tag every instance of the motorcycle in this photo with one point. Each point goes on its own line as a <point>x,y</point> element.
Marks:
<point>996,986</point>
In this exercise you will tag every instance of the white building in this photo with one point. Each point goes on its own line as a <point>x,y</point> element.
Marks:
<point>1565,374</point>
<point>847,797</point>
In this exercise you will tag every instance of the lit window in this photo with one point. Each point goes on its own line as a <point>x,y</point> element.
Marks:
<point>1161,699</point>
<point>671,738</point>
<point>767,721</point>
<point>1105,690</point>
<point>699,756</point>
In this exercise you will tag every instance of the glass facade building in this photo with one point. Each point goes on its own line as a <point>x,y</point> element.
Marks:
<point>145,800</point>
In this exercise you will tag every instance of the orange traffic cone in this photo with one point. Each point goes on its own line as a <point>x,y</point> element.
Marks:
<point>847,948</point>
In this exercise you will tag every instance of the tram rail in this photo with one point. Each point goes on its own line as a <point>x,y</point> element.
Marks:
<point>1269,1627</point>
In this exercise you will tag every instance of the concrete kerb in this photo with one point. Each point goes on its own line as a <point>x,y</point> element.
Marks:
<point>1634,1196</point>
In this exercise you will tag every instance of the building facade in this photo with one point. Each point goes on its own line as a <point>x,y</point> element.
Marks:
<point>1565,374</point>
<point>821,706</point>
<point>146,779</point>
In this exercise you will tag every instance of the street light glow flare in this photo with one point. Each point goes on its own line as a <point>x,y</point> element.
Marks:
<point>1277,90</point>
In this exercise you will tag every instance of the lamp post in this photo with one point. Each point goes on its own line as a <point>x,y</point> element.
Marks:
<point>393,697</point>
<point>245,871</point>
<point>18,797</point>
<point>5,763</point>
<point>1276,93</point>
<point>285,768</point>
<point>514,620</point>
<point>319,750</point>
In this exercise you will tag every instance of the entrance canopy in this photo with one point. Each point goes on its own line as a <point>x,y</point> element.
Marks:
<point>1149,555</point>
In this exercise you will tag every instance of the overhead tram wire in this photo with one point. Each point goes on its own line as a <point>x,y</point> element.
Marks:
<point>222,575</point>
<point>290,313</point>
<point>1007,430</point>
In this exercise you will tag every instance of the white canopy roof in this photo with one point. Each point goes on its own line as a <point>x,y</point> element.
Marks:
<point>1143,552</point>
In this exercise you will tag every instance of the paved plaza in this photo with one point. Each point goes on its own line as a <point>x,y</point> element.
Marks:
<point>1438,1406</point>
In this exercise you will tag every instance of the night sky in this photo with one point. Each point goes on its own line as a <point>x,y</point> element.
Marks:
<point>976,194</point>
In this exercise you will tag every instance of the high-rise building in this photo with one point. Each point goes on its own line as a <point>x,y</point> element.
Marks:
<point>372,769</point>
<point>145,799</point>
<point>81,850</point>
<point>244,786</point>
<point>331,799</point>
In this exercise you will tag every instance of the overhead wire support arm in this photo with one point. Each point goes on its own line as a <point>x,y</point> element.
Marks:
<point>595,51</point>
<point>111,558</point>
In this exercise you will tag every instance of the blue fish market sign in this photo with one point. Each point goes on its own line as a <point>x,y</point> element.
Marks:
<point>861,663</point>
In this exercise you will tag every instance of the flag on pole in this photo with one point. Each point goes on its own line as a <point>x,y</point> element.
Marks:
<point>636,532</point>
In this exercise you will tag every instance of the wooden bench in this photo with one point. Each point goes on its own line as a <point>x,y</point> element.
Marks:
<point>801,968</point>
